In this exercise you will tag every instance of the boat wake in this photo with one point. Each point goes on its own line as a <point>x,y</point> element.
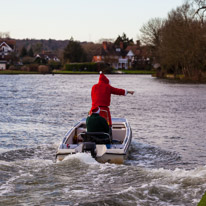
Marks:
<point>78,176</point>
<point>82,157</point>
<point>39,152</point>
<point>151,157</point>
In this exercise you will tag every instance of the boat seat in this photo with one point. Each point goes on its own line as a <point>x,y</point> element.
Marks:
<point>97,137</point>
<point>114,141</point>
<point>118,134</point>
<point>80,130</point>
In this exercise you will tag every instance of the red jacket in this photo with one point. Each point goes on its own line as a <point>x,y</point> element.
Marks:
<point>101,92</point>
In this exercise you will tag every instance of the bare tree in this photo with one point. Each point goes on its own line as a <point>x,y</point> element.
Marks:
<point>200,8</point>
<point>4,35</point>
<point>151,36</point>
<point>151,32</point>
<point>183,46</point>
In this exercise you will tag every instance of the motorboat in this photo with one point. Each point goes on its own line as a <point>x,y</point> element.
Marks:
<point>100,145</point>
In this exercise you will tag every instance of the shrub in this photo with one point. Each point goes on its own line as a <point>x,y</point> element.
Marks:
<point>28,60</point>
<point>33,67</point>
<point>80,67</point>
<point>12,67</point>
<point>43,69</point>
<point>91,67</point>
<point>54,64</point>
<point>25,68</point>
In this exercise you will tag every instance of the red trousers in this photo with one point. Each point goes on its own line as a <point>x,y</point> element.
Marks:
<point>105,112</point>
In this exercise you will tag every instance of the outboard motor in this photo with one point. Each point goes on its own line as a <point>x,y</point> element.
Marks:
<point>96,137</point>
<point>90,147</point>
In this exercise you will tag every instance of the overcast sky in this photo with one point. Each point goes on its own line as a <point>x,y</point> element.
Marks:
<point>84,20</point>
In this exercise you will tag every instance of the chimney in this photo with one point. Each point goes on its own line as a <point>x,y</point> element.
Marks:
<point>104,45</point>
<point>138,43</point>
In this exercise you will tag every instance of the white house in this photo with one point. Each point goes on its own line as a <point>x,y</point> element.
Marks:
<point>5,49</point>
<point>7,46</point>
<point>118,57</point>
<point>2,65</point>
<point>47,56</point>
<point>130,57</point>
<point>123,63</point>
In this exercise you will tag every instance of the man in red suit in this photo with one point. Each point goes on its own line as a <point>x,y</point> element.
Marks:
<point>101,96</point>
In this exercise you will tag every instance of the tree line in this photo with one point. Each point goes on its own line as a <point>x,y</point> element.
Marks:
<point>178,43</point>
<point>82,52</point>
<point>67,50</point>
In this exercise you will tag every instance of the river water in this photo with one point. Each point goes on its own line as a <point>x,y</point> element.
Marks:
<point>167,157</point>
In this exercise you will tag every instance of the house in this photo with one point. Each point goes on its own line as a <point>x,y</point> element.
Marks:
<point>97,59</point>
<point>3,64</point>
<point>47,56</point>
<point>112,55</point>
<point>120,58</point>
<point>138,56</point>
<point>7,48</point>
<point>133,54</point>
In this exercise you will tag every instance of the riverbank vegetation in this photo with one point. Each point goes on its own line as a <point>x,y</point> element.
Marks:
<point>202,201</point>
<point>172,48</point>
<point>177,43</point>
<point>138,72</point>
<point>16,72</point>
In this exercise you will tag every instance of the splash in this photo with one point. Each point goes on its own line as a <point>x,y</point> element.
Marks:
<point>83,157</point>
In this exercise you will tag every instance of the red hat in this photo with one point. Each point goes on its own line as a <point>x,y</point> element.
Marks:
<point>95,109</point>
<point>103,78</point>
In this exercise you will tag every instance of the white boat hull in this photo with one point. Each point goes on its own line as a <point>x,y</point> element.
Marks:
<point>112,153</point>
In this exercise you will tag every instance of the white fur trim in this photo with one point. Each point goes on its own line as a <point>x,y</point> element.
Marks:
<point>125,92</point>
<point>97,112</point>
<point>100,72</point>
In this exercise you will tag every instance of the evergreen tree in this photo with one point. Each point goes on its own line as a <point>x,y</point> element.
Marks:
<point>23,52</point>
<point>123,39</point>
<point>74,52</point>
<point>30,52</point>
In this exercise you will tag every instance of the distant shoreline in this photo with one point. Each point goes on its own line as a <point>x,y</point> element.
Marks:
<point>18,72</point>
<point>170,78</point>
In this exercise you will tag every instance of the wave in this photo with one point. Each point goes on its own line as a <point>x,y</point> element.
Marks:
<point>82,157</point>
<point>128,184</point>
<point>141,154</point>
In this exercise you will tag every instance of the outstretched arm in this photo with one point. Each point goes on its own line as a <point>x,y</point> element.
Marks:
<point>118,91</point>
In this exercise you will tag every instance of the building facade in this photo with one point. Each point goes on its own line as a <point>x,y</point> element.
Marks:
<point>7,50</point>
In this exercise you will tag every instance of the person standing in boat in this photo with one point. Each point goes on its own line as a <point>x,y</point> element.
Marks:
<point>101,96</point>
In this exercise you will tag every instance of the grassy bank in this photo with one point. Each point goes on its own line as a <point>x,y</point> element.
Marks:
<point>202,201</point>
<point>115,72</point>
<point>16,72</point>
<point>182,79</point>
<point>77,72</point>
<point>137,71</point>
<point>54,72</point>
<point>72,72</point>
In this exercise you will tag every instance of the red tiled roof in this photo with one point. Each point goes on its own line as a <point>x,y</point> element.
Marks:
<point>10,42</point>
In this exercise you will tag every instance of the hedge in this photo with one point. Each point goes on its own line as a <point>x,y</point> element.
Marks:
<point>81,67</point>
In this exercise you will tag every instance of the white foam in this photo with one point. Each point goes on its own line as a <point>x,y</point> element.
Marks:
<point>129,189</point>
<point>37,164</point>
<point>83,157</point>
<point>8,186</point>
<point>199,172</point>
<point>173,181</point>
<point>5,163</point>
